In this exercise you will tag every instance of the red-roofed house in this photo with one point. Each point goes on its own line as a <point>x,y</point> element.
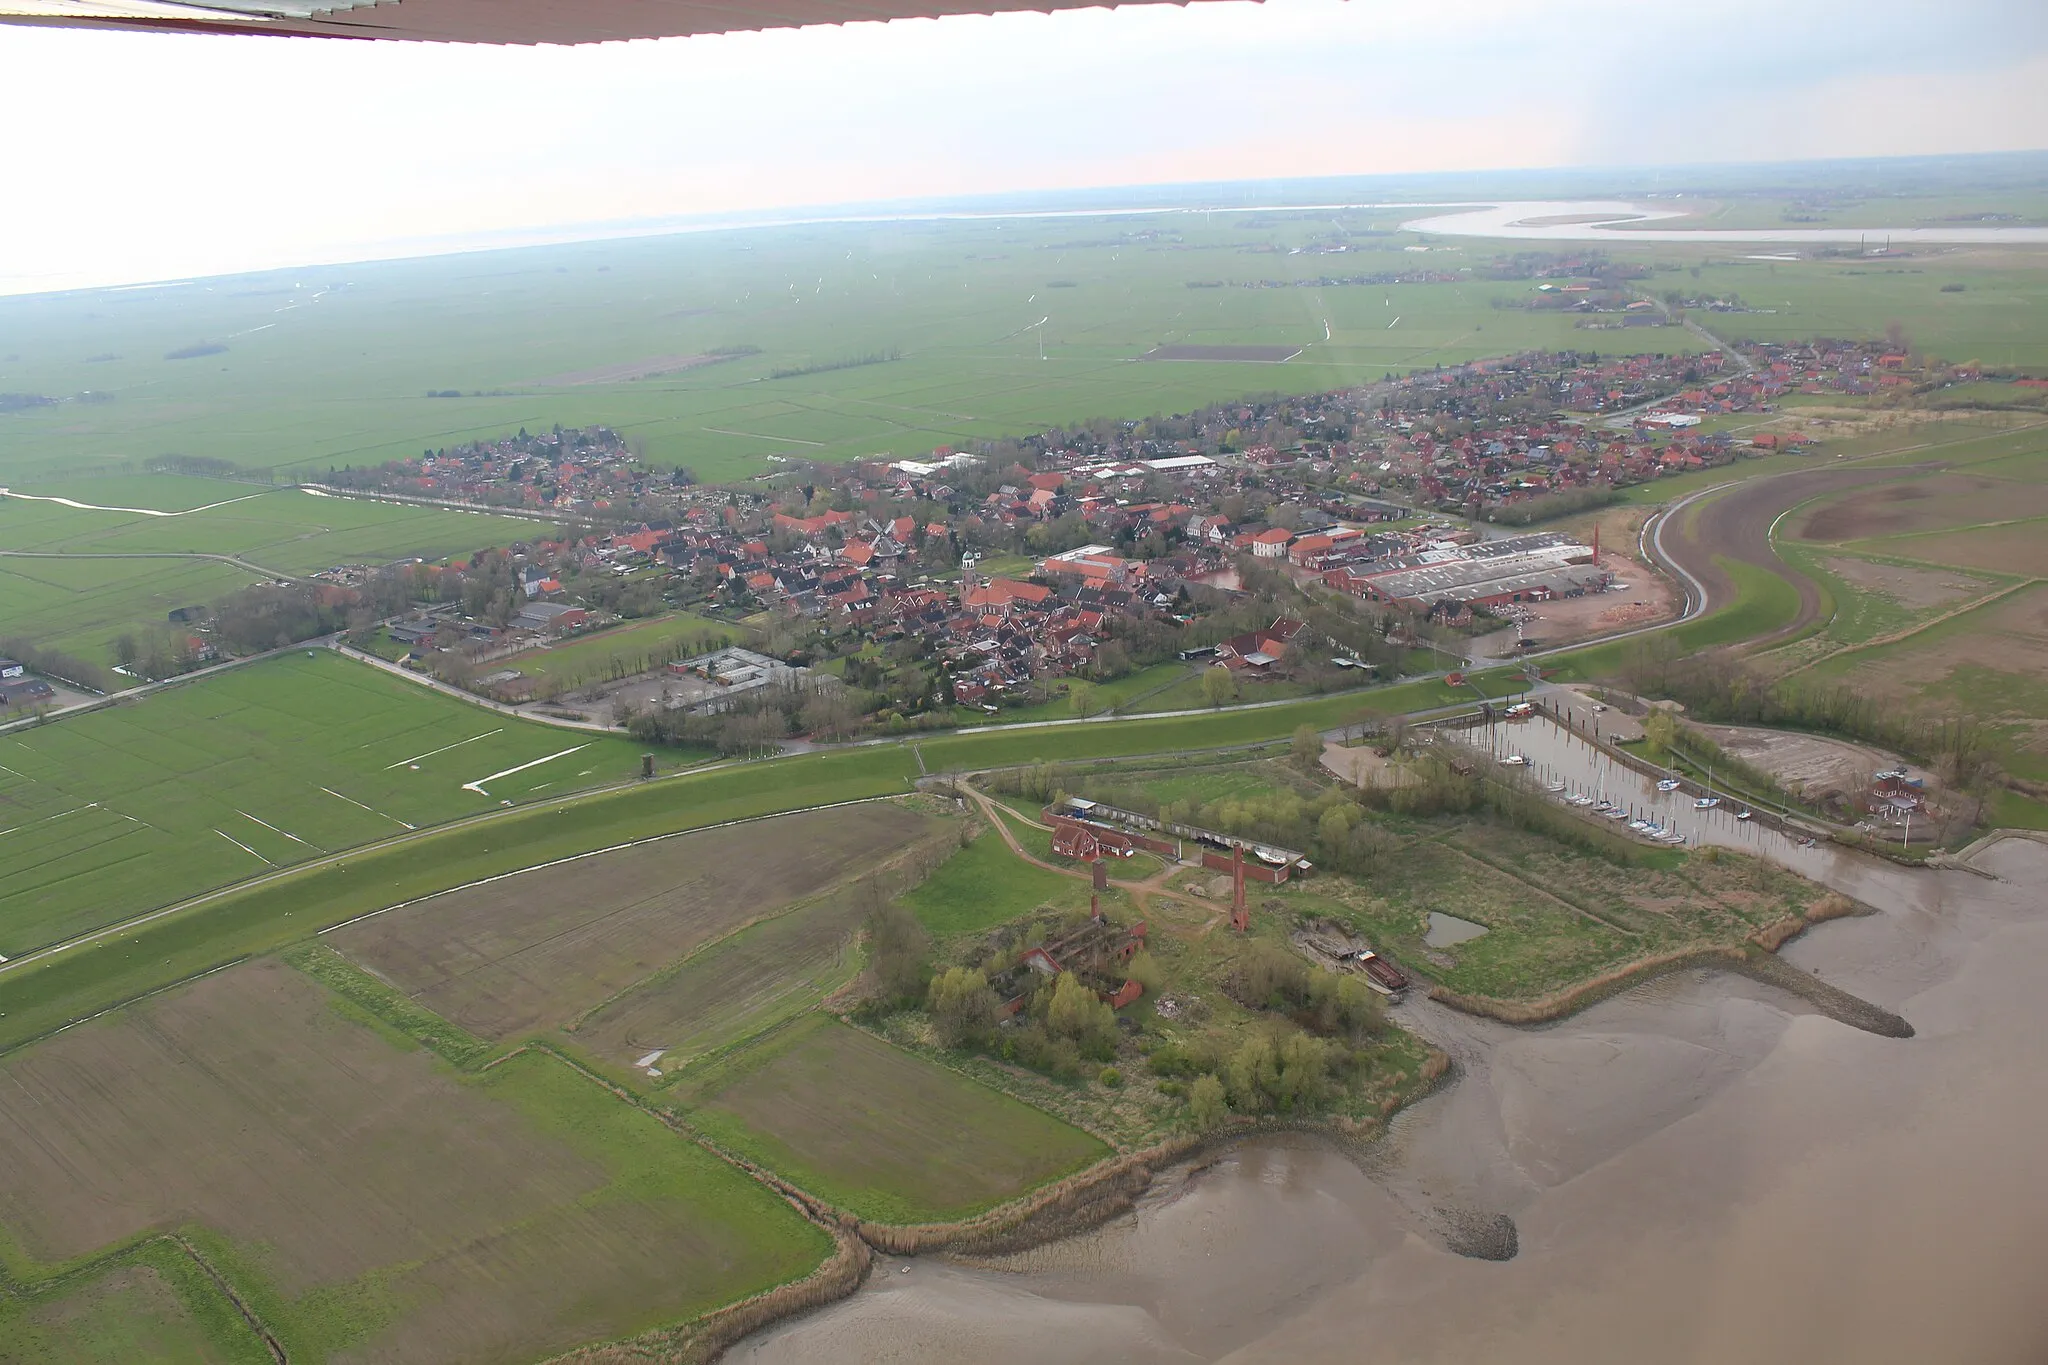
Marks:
<point>1271,543</point>
<point>811,526</point>
<point>1001,596</point>
<point>1255,652</point>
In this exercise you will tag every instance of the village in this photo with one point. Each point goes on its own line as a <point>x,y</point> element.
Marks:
<point>1286,545</point>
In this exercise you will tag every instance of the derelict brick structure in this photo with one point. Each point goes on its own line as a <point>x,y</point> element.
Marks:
<point>1240,917</point>
<point>1233,863</point>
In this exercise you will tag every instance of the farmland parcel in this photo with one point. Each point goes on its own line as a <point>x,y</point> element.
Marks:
<point>370,1205</point>
<point>881,1132</point>
<point>545,946</point>
<point>254,769</point>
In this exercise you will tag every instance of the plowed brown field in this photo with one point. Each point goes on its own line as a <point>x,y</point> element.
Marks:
<point>542,947</point>
<point>1737,525</point>
<point>430,1219</point>
<point>246,1103</point>
<point>732,988</point>
<point>1929,504</point>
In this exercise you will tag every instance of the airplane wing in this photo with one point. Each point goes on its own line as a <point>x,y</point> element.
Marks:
<point>498,21</point>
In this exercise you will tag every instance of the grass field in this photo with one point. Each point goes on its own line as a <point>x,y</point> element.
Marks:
<point>1918,572</point>
<point>1989,663</point>
<point>731,990</point>
<point>284,529</point>
<point>79,606</point>
<point>624,650</point>
<point>879,1131</point>
<point>1553,916</point>
<point>150,1304</point>
<point>82,602</point>
<point>342,380</point>
<point>548,945</point>
<point>364,1199</point>
<point>984,884</point>
<point>112,813</point>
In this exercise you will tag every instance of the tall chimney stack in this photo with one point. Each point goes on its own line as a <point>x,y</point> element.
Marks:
<point>1240,918</point>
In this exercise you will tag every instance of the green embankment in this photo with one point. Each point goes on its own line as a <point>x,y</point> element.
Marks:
<point>51,993</point>
<point>204,785</point>
<point>47,994</point>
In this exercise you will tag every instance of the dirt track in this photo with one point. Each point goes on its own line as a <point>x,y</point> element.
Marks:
<point>1737,525</point>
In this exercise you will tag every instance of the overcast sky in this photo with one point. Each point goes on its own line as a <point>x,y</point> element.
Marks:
<point>135,156</point>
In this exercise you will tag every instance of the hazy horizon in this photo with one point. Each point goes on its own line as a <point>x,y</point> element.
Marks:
<point>177,156</point>
<point>1138,199</point>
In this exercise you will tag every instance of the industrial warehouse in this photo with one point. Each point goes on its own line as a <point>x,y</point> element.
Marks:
<point>1486,575</point>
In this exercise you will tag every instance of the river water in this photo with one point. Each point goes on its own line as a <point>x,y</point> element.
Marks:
<point>1608,220</point>
<point>1700,1170</point>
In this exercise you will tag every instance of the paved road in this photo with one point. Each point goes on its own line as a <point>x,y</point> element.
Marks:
<point>1737,524</point>
<point>449,690</point>
<point>144,689</point>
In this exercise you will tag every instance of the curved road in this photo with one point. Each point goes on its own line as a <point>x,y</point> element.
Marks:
<point>1736,523</point>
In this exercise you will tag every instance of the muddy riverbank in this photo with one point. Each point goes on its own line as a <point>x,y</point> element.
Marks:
<point>1703,1168</point>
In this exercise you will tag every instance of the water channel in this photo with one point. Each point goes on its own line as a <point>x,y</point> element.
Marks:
<point>1700,1170</point>
<point>1608,220</point>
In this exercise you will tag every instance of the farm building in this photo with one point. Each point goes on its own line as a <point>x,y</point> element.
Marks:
<point>10,669</point>
<point>21,691</point>
<point>1486,575</point>
<point>733,673</point>
<point>555,618</point>
<point>1256,652</point>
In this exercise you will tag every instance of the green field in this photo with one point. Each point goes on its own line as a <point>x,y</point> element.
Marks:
<point>879,1131</point>
<point>78,606</point>
<point>626,649</point>
<point>109,814</point>
<point>151,1304</point>
<point>532,1209</point>
<point>286,529</point>
<point>122,570</point>
<point>342,380</point>
<point>984,884</point>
